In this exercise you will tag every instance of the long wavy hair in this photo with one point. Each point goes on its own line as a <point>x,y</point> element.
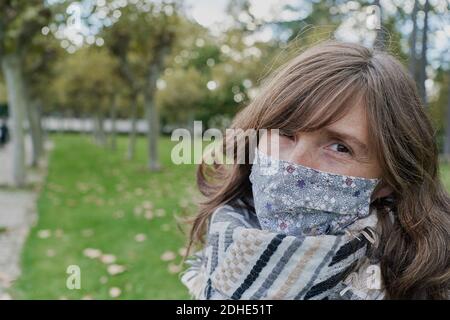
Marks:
<point>315,89</point>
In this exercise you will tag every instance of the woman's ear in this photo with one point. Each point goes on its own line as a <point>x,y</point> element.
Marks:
<point>382,191</point>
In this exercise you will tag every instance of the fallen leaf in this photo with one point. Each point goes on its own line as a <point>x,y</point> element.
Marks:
<point>168,256</point>
<point>174,268</point>
<point>147,205</point>
<point>140,237</point>
<point>51,253</point>
<point>108,258</point>
<point>148,215</point>
<point>182,251</point>
<point>115,269</point>
<point>92,253</point>
<point>160,213</point>
<point>44,234</point>
<point>114,292</point>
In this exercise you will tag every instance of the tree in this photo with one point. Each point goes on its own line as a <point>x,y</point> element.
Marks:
<point>142,39</point>
<point>88,92</point>
<point>118,41</point>
<point>20,21</point>
<point>39,73</point>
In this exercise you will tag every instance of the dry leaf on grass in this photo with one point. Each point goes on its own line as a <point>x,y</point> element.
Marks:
<point>108,258</point>
<point>92,253</point>
<point>160,213</point>
<point>174,268</point>
<point>140,237</point>
<point>148,215</point>
<point>114,269</point>
<point>114,292</point>
<point>182,251</point>
<point>44,234</point>
<point>168,256</point>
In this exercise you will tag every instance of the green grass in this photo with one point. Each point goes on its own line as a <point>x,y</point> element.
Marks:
<point>445,175</point>
<point>87,190</point>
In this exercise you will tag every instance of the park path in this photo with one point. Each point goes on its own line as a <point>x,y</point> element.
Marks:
<point>17,215</point>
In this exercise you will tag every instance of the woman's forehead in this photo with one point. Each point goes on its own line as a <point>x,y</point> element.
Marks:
<point>352,123</point>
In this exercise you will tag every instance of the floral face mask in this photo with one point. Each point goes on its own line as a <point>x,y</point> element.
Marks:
<point>296,200</point>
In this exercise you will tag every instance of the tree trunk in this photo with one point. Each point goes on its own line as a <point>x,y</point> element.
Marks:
<point>150,108</point>
<point>423,60</point>
<point>62,122</point>
<point>99,130</point>
<point>132,133</point>
<point>87,124</point>
<point>152,131</point>
<point>95,129</point>
<point>12,70</point>
<point>35,131</point>
<point>44,134</point>
<point>413,43</point>
<point>34,124</point>
<point>113,116</point>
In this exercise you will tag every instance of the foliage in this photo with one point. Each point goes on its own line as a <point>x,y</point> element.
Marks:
<point>86,81</point>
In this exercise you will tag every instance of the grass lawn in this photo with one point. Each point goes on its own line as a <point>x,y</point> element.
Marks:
<point>94,198</point>
<point>445,175</point>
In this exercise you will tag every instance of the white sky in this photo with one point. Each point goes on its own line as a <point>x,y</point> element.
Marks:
<point>212,13</point>
<point>207,12</point>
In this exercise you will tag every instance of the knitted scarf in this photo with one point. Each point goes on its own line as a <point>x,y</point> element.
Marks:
<point>241,261</point>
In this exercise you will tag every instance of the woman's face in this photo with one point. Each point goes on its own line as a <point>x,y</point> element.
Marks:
<point>341,148</point>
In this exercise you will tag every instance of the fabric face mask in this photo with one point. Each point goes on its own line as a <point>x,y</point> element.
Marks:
<point>300,201</point>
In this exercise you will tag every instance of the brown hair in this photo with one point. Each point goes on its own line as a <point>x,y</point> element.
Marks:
<point>317,86</point>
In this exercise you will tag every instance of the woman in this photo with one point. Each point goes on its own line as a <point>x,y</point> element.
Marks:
<point>354,208</point>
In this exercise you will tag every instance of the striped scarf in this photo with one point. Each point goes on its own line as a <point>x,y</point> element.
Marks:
<point>241,261</point>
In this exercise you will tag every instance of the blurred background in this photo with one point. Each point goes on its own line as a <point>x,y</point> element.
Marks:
<point>91,90</point>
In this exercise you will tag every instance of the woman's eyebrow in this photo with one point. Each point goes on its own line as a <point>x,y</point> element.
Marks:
<point>349,138</point>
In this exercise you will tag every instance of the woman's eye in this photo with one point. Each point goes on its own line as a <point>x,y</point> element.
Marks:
<point>287,135</point>
<point>339,147</point>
